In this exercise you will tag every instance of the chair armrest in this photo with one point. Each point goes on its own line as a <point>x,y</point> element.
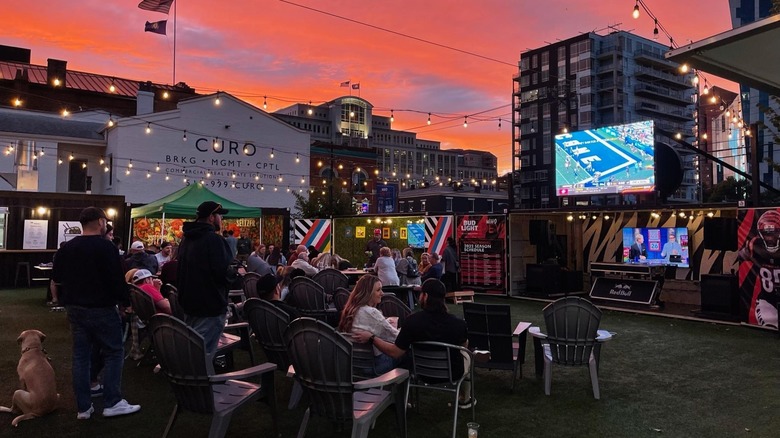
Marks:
<point>237,293</point>
<point>237,326</point>
<point>537,333</point>
<point>604,336</point>
<point>243,374</point>
<point>521,327</point>
<point>391,377</point>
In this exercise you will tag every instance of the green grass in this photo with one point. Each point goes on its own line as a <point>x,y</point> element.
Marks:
<point>658,377</point>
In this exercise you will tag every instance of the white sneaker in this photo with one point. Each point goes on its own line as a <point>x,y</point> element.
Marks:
<point>121,408</point>
<point>86,415</point>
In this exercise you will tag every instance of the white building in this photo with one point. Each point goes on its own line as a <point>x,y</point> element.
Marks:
<point>233,148</point>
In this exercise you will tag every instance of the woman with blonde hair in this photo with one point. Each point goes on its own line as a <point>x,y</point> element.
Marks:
<point>425,263</point>
<point>360,314</point>
<point>385,268</point>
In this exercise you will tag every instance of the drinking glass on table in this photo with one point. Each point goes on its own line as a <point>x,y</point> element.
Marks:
<point>473,429</point>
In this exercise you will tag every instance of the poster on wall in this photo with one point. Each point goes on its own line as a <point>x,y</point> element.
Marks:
<point>386,198</point>
<point>67,230</point>
<point>482,245</point>
<point>758,240</point>
<point>35,234</point>
<point>416,235</point>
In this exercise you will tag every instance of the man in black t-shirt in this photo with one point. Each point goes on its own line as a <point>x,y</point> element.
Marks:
<point>434,323</point>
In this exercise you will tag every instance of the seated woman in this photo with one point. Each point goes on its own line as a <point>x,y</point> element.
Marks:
<point>425,263</point>
<point>408,272</point>
<point>360,314</point>
<point>385,268</point>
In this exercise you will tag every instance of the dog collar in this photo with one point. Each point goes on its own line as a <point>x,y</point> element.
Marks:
<point>31,348</point>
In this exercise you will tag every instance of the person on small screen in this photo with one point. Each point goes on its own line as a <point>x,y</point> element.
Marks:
<point>638,249</point>
<point>671,247</point>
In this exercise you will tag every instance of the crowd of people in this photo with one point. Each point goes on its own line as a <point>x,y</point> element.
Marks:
<point>91,277</point>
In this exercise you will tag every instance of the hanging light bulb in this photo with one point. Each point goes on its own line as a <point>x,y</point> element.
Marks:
<point>635,14</point>
<point>713,99</point>
<point>130,164</point>
<point>272,152</point>
<point>392,118</point>
<point>71,157</point>
<point>112,87</point>
<point>297,158</point>
<point>65,113</point>
<point>105,169</point>
<point>184,137</point>
<point>148,128</point>
<point>148,174</point>
<point>706,89</point>
<point>465,121</point>
<point>429,118</point>
<point>217,101</point>
<point>157,168</point>
<point>208,174</point>
<point>17,102</point>
<point>216,143</point>
<point>110,122</point>
<point>40,153</point>
<point>167,177</point>
<point>499,124</point>
<point>280,178</point>
<point>165,95</point>
<point>257,177</point>
<point>265,103</point>
<point>59,160</point>
<point>655,30</point>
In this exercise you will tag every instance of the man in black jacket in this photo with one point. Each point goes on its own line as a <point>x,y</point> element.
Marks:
<point>204,274</point>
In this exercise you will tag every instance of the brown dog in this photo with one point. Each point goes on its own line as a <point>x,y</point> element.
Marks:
<point>38,395</point>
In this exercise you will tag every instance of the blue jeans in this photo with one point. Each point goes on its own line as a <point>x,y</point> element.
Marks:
<point>210,327</point>
<point>384,363</point>
<point>101,327</point>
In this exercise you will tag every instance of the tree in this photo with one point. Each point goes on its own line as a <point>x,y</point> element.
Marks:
<point>730,190</point>
<point>317,203</point>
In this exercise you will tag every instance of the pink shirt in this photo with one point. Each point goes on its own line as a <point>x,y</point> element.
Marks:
<point>152,292</point>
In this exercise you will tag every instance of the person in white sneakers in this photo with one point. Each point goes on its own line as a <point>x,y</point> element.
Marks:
<point>89,273</point>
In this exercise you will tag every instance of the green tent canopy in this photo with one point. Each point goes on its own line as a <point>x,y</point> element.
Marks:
<point>184,203</point>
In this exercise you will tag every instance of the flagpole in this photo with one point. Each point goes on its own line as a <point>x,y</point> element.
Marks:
<point>175,3</point>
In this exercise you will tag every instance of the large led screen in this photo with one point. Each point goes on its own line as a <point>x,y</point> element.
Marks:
<point>664,245</point>
<point>613,159</point>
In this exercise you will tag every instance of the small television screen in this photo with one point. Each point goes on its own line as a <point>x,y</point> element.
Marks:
<point>665,245</point>
<point>612,159</point>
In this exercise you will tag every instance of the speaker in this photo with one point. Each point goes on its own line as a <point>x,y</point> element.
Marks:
<point>720,233</point>
<point>538,231</point>
<point>720,294</point>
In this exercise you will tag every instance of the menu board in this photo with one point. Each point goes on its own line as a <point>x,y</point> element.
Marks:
<point>482,246</point>
<point>35,233</point>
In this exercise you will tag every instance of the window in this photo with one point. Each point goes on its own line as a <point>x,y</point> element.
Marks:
<point>448,204</point>
<point>77,176</point>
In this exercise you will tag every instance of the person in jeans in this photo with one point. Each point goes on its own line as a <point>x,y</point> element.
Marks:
<point>205,274</point>
<point>90,275</point>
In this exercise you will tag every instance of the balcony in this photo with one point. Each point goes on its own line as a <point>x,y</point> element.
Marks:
<point>650,58</point>
<point>661,93</point>
<point>664,111</point>
<point>679,82</point>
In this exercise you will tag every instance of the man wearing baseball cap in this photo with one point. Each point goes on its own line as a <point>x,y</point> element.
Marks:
<point>151,286</point>
<point>90,275</point>
<point>204,273</point>
<point>373,246</point>
<point>138,258</point>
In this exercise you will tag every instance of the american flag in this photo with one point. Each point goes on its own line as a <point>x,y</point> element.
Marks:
<point>163,6</point>
<point>345,84</point>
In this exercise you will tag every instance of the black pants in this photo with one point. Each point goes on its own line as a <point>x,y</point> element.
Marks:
<point>450,280</point>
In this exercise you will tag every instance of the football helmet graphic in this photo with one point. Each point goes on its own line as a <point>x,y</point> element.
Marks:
<point>769,230</point>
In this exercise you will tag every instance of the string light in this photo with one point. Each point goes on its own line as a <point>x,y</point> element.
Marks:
<point>65,113</point>
<point>17,102</point>
<point>184,137</point>
<point>165,95</point>
<point>635,14</point>
<point>655,30</point>
<point>272,152</point>
<point>392,117</point>
<point>216,143</point>
<point>110,122</point>
<point>167,177</point>
<point>130,164</point>
<point>71,157</point>
<point>265,103</point>
<point>429,118</point>
<point>112,87</point>
<point>148,174</point>
<point>148,128</point>
<point>157,168</point>
<point>217,102</point>
<point>465,121</point>
<point>297,158</point>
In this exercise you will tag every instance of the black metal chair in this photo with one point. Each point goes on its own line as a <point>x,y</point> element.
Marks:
<point>309,297</point>
<point>490,329</point>
<point>340,299</point>
<point>269,323</point>
<point>331,279</point>
<point>143,309</point>
<point>573,338</point>
<point>323,364</point>
<point>166,289</point>
<point>404,293</point>
<point>196,386</point>
<point>433,367</point>
<point>393,306</point>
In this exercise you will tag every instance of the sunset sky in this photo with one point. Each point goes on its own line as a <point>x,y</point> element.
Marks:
<point>256,48</point>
